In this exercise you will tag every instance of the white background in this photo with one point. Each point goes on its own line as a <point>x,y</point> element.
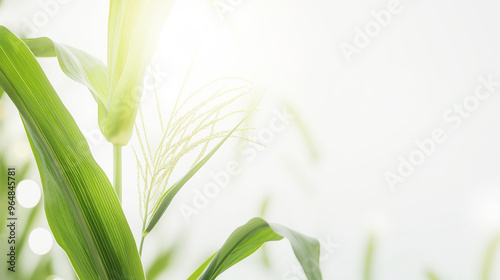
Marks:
<point>362,115</point>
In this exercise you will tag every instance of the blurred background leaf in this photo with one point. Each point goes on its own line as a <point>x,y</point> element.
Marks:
<point>489,258</point>
<point>162,262</point>
<point>431,275</point>
<point>368,266</point>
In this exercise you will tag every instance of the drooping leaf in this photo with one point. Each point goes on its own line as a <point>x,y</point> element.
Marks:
<point>77,65</point>
<point>248,238</point>
<point>133,32</point>
<point>41,47</point>
<point>82,209</point>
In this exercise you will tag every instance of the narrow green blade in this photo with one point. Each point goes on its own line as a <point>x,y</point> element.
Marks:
<point>197,273</point>
<point>248,238</point>
<point>170,194</point>
<point>81,207</point>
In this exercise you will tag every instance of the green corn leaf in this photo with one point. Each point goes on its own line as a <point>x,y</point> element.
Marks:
<point>81,206</point>
<point>77,65</point>
<point>133,31</point>
<point>197,273</point>
<point>248,238</point>
<point>170,194</point>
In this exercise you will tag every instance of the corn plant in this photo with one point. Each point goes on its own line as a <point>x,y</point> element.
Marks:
<point>82,206</point>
